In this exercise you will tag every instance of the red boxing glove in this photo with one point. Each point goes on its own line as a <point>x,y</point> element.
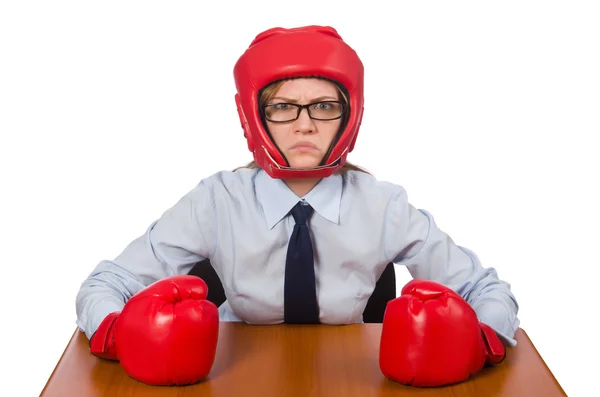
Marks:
<point>165,335</point>
<point>431,337</point>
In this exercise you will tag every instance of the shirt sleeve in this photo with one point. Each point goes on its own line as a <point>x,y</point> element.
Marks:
<point>412,239</point>
<point>184,235</point>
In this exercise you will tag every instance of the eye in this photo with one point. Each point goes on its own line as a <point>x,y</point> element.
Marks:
<point>322,106</point>
<point>281,106</point>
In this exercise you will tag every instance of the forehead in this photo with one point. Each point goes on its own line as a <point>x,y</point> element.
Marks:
<point>307,87</point>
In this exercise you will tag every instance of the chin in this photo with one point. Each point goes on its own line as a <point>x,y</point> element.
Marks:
<point>304,162</point>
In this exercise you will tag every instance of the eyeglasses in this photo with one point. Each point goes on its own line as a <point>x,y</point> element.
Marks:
<point>285,112</point>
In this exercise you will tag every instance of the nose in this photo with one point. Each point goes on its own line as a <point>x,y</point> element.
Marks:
<point>304,124</point>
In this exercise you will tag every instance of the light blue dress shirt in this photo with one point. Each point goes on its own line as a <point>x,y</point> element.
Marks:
<point>239,220</point>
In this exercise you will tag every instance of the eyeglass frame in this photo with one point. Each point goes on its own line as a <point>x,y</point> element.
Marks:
<point>302,107</point>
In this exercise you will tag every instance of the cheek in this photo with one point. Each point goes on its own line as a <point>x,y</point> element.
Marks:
<point>278,133</point>
<point>331,131</point>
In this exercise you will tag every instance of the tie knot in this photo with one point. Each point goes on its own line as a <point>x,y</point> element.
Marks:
<point>301,213</point>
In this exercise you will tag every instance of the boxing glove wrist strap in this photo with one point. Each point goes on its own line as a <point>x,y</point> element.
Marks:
<point>495,351</point>
<point>102,343</point>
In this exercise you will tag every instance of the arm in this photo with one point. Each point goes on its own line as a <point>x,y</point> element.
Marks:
<point>184,234</point>
<point>414,240</point>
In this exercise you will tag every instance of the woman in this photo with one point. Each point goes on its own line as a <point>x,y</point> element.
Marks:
<point>300,103</point>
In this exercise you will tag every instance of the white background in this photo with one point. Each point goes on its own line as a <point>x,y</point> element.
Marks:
<point>488,114</point>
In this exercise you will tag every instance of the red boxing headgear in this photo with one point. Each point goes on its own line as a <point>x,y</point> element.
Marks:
<point>310,51</point>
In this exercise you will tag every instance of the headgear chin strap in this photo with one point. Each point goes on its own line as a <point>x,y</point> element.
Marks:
<point>310,51</point>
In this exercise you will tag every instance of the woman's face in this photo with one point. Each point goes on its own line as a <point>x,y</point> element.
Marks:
<point>304,141</point>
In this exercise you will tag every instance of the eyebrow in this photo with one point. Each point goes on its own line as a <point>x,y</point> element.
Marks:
<point>321,98</point>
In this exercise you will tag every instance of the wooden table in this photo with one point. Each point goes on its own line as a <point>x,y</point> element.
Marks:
<point>288,360</point>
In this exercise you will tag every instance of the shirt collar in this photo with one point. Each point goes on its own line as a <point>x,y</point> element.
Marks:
<point>277,199</point>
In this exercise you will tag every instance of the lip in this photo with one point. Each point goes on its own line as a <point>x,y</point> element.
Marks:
<point>304,145</point>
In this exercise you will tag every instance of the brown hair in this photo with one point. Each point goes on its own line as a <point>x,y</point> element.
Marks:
<point>268,93</point>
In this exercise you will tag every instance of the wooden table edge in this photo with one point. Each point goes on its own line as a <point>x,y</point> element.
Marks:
<point>71,341</point>
<point>74,335</point>
<point>543,361</point>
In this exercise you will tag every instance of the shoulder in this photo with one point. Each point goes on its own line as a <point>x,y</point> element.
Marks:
<point>221,189</point>
<point>228,183</point>
<point>357,183</point>
<point>230,179</point>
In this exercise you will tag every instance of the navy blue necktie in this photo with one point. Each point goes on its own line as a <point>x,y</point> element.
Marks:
<point>300,296</point>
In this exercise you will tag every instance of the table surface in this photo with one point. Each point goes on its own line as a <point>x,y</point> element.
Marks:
<point>298,360</point>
